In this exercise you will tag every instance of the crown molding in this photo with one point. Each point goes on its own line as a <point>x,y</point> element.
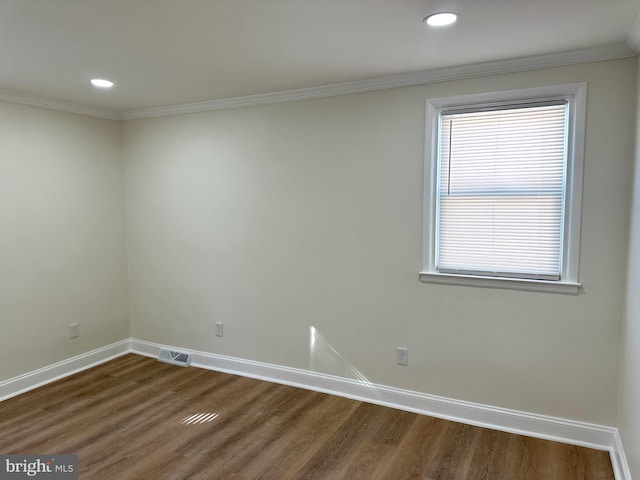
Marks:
<point>633,39</point>
<point>52,104</point>
<point>607,52</point>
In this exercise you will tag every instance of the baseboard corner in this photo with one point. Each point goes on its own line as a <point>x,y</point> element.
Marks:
<point>619,458</point>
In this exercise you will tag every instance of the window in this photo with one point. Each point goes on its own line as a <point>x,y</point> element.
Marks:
<point>503,177</point>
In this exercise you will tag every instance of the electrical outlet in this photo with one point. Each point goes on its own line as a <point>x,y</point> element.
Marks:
<point>402,356</point>
<point>219,329</point>
<point>74,330</point>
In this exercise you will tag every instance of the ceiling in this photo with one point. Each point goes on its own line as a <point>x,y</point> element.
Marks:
<point>168,52</point>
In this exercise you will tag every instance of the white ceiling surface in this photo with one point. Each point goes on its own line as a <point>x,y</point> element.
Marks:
<point>166,52</point>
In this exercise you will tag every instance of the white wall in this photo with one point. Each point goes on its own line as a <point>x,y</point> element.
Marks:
<point>276,218</point>
<point>629,402</point>
<point>62,238</point>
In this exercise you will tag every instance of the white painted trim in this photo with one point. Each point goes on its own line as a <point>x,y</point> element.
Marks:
<point>607,52</point>
<point>633,39</point>
<point>595,54</point>
<point>619,459</point>
<point>545,286</point>
<point>513,421</point>
<point>576,95</point>
<point>23,383</point>
<point>523,423</point>
<point>51,104</point>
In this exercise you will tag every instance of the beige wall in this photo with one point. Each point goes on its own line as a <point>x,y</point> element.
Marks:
<point>276,218</point>
<point>629,402</point>
<point>62,238</point>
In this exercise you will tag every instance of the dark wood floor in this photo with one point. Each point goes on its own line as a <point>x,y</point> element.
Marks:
<point>134,418</point>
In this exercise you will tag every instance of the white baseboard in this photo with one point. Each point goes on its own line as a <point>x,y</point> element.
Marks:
<point>23,383</point>
<point>619,459</point>
<point>513,421</point>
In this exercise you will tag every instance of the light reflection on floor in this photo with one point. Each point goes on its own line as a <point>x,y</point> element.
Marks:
<point>197,418</point>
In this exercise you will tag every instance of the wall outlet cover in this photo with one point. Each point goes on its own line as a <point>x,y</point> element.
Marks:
<point>74,330</point>
<point>402,356</point>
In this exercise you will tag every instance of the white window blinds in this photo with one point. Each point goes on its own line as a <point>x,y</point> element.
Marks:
<point>501,190</point>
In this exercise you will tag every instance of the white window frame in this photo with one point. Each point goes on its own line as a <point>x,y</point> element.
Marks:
<point>576,96</point>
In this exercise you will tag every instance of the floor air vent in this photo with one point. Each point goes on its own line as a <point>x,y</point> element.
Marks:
<point>174,358</point>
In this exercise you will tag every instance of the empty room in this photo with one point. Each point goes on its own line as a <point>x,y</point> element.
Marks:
<point>320,239</point>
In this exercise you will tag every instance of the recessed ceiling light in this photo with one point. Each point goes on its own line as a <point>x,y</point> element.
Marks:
<point>101,83</point>
<point>441,19</point>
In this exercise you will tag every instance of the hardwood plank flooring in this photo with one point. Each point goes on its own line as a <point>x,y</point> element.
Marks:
<point>130,419</point>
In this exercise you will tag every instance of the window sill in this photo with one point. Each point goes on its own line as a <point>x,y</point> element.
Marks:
<point>548,286</point>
